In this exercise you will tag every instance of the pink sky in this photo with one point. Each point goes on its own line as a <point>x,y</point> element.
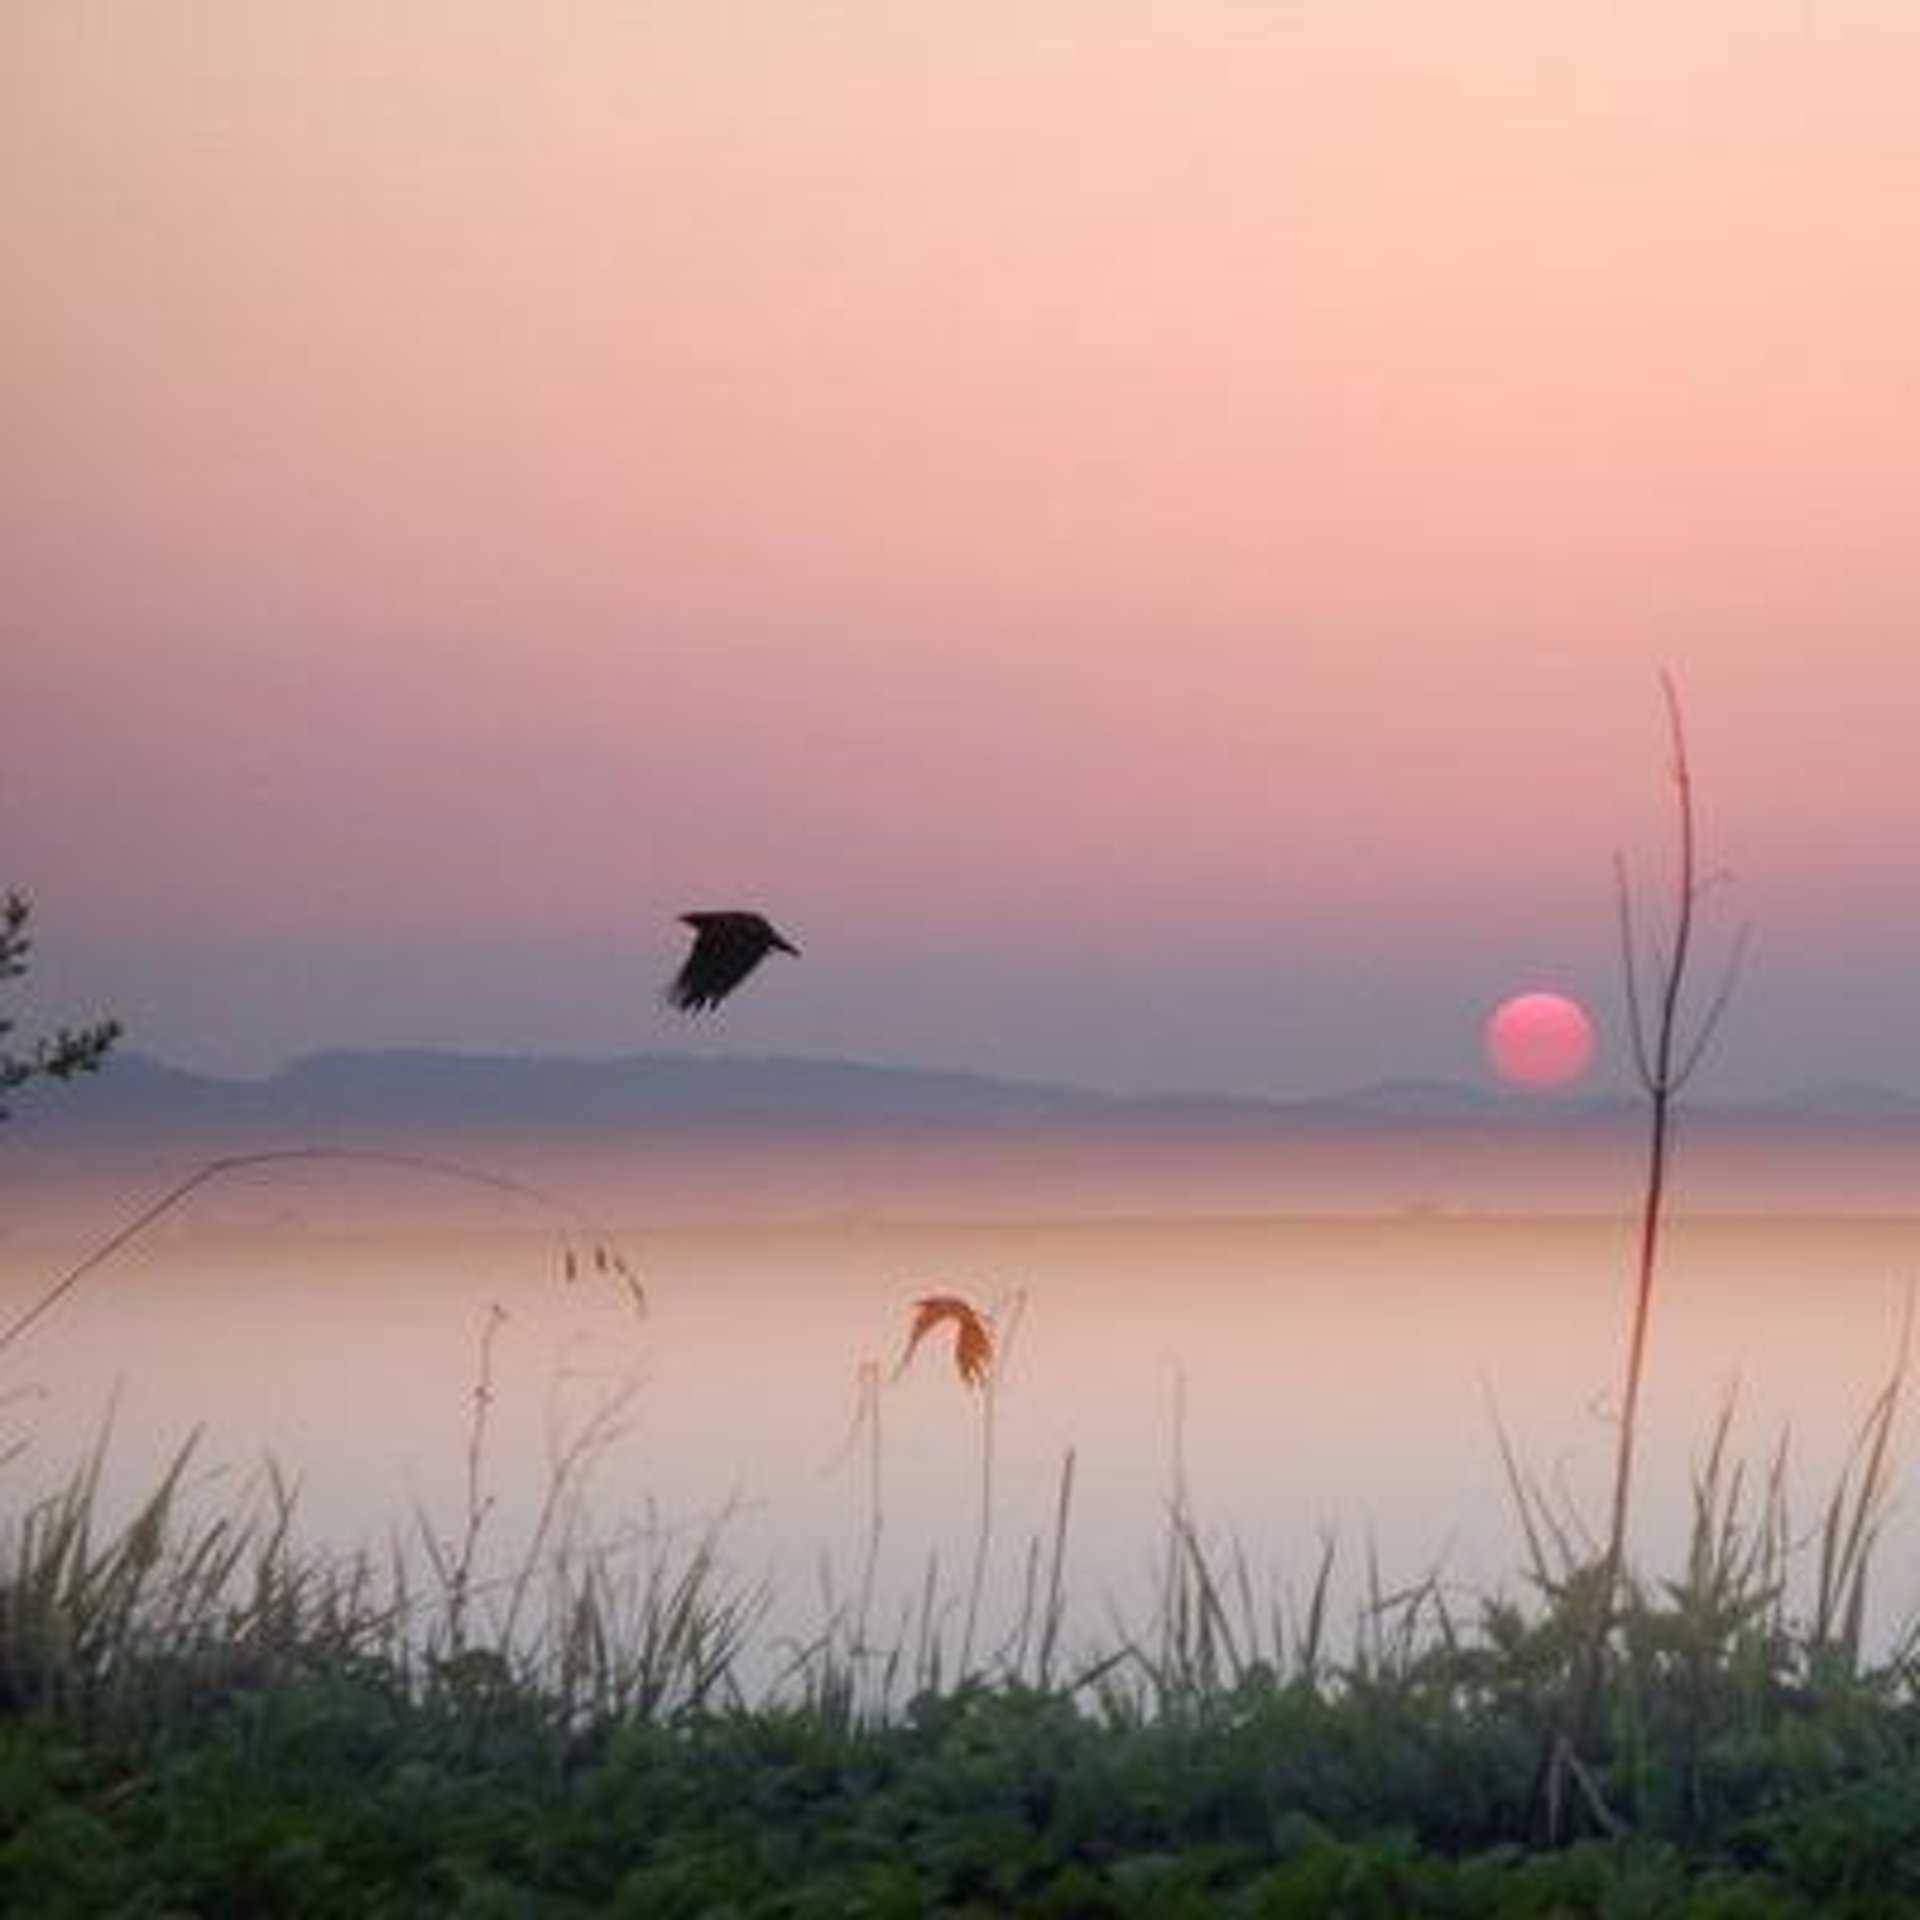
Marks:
<point>1142,533</point>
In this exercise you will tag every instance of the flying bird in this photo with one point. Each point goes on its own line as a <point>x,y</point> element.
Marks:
<point>726,948</point>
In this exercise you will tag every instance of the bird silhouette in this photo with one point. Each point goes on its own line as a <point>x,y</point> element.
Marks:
<point>726,948</point>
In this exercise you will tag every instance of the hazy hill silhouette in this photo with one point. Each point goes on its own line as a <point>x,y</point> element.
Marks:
<point>672,1135</point>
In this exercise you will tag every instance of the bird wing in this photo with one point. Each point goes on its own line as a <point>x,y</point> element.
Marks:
<point>726,948</point>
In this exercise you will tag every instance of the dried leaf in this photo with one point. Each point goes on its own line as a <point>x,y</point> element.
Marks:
<point>972,1335</point>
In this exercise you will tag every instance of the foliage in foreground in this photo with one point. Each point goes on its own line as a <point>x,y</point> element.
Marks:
<point>194,1719</point>
<point>65,1052</point>
<point>340,1792</point>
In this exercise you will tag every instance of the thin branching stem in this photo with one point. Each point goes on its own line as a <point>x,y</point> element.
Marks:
<point>479,1500</point>
<point>868,1418</point>
<point>1664,1059</point>
<point>1008,1326</point>
<point>232,1163</point>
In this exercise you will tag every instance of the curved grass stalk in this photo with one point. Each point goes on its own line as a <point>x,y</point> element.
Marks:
<point>606,1252</point>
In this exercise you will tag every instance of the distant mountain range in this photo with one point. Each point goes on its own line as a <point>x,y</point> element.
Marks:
<point>466,1089</point>
<point>684,1135</point>
<point>460,1088</point>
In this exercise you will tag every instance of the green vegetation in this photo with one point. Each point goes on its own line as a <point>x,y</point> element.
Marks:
<point>197,1717</point>
<point>67,1050</point>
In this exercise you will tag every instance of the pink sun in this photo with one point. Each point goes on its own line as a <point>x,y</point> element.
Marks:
<point>1539,1040</point>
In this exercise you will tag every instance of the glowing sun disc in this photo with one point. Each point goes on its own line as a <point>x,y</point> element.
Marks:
<point>1539,1040</point>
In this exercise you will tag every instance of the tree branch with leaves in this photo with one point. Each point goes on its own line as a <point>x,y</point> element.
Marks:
<point>67,1050</point>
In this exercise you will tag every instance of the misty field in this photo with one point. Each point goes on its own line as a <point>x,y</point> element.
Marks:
<point>207,1711</point>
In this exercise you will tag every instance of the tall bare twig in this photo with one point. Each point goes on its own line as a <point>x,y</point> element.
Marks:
<point>1666,1053</point>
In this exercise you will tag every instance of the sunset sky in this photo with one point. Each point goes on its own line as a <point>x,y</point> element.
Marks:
<point>1142,532</point>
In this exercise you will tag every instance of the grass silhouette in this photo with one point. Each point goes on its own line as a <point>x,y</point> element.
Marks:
<point>198,1713</point>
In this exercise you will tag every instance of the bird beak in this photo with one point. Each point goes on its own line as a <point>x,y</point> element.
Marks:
<point>786,946</point>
